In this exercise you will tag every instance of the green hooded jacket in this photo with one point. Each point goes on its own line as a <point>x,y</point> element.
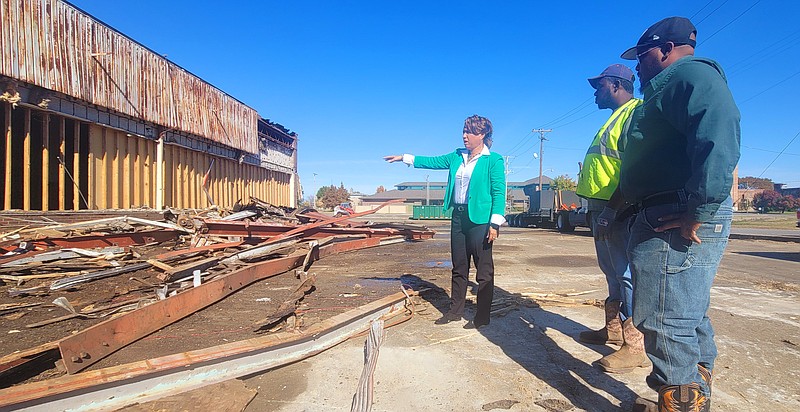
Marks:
<point>685,135</point>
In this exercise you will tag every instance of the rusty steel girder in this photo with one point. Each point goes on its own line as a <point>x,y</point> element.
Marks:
<point>116,239</point>
<point>265,231</point>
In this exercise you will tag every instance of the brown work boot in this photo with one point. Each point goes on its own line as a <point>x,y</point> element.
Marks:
<point>705,374</point>
<point>611,333</point>
<point>630,356</point>
<point>682,398</point>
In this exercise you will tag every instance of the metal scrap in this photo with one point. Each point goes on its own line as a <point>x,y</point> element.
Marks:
<point>289,306</point>
<point>230,265</point>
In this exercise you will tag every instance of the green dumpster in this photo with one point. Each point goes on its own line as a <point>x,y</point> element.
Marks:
<point>428,212</point>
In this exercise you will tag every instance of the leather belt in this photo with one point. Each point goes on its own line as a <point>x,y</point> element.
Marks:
<point>662,199</point>
<point>460,208</point>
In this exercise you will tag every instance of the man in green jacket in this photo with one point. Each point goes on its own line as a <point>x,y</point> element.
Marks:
<point>677,170</point>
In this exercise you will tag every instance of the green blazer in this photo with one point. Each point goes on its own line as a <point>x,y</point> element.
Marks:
<point>487,184</point>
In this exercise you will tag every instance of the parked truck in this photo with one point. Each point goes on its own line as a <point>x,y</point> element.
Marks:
<point>559,209</point>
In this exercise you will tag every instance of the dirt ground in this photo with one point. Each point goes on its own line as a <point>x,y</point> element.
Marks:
<point>526,360</point>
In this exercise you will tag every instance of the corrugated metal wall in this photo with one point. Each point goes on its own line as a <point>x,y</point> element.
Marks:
<point>50,162</point>
<point>53,45</point>
<point>228,182</point>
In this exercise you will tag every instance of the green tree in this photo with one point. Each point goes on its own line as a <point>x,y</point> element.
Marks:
<point>563,182</point>
<point>750,182</point>
<point>333,196</point>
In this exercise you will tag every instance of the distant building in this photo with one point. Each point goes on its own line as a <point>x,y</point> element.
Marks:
<point>787,191</point>
<point>420,193</point>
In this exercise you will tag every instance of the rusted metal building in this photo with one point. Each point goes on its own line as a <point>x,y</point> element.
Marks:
<point>91,119</point>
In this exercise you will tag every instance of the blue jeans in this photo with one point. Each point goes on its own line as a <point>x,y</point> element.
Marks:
<point>672,291</point>
<point>612,257</point>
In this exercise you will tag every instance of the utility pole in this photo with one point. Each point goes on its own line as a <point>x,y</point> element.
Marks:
<point>508,171</point>
<point>427,191</point>
<point>541,153</point>
<point>314,193</point>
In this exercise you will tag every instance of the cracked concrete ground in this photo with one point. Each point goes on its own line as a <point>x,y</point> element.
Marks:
<point>528,359</point>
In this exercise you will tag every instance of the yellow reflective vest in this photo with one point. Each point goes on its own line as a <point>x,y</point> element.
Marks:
<point>599,176</point>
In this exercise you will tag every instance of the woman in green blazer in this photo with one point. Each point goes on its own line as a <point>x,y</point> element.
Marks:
<point>476,191</point>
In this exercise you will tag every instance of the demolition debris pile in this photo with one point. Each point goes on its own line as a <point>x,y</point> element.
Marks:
<point>125,278</point>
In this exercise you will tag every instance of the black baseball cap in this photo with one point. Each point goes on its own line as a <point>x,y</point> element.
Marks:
<point>678,30</point>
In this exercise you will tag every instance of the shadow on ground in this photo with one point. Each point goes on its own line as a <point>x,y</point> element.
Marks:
<point>788,256</point>
<point>533,348</point>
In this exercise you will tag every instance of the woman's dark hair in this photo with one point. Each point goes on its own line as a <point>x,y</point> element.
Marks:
<point>479,125</point>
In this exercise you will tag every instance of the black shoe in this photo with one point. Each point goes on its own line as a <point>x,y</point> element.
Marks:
<point>447,318</point>
<point>474,325</point>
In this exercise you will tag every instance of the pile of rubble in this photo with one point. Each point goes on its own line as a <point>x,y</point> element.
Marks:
<point>172,269</point>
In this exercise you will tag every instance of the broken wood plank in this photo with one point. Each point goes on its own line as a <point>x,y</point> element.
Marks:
<point>186,269</point>
<point>289,306</point>
<point>92,313</point>
<point>12,307</point>
<point>194,250</point>
<point>159,264</point>
<point>23,278</point>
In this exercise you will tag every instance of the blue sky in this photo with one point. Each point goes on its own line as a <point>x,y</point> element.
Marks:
<point>358,80</point>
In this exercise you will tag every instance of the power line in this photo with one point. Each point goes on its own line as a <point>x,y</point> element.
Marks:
<point>712,12</point>
<point>730,22</point>
<point>769,151</point>
<point>701,9</point>
<point>770,88</point>
<point>767,53</point>
<point>519,144</point>
<point>570,112</point>
<point>779,154</point>
<point>580,118</point>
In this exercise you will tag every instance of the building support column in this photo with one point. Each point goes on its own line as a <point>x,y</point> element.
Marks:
<point>160,173</point>
<point>8,157</point>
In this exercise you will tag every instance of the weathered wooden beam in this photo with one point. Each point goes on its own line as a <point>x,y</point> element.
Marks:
<point>179,272</point>
<point>138,172</point>
<point>45,161</point>
<point>26,158</point>
<point>62,170</point>
<point>115,144</point>
<point>77,171</point>
<point>159,186</point>
<point>9,157</point>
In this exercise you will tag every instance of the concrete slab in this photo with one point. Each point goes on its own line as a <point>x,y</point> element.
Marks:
<point>529,360</point>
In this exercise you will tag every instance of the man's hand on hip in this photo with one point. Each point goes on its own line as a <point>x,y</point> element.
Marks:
<point>686,223</point>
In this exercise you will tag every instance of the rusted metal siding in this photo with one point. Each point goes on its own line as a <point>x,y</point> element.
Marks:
<point>53,45</point>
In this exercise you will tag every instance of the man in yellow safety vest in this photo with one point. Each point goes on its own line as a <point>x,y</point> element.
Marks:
<point>598,180</point>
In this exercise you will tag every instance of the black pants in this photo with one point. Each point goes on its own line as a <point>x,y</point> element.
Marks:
<point>468,240</point>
